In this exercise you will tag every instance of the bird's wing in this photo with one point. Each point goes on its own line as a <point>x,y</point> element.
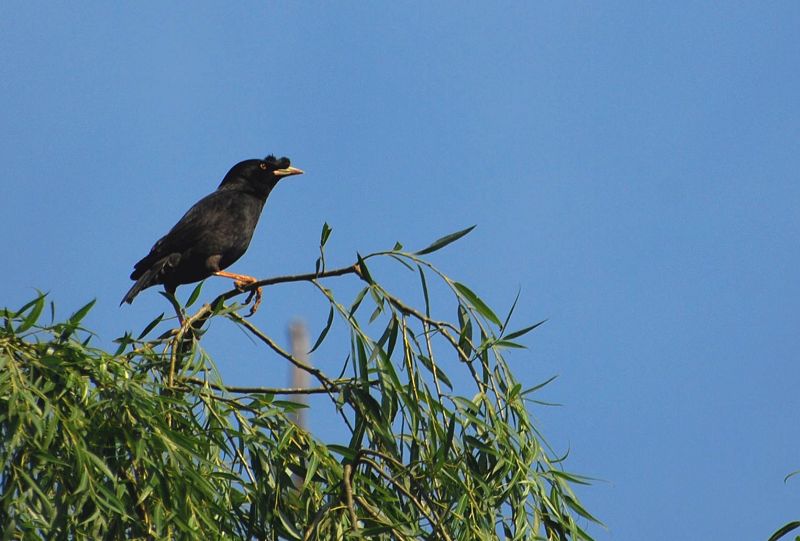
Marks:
<point>192,230</point>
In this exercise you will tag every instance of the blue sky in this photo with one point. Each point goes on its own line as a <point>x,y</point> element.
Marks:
<point>632,169</point>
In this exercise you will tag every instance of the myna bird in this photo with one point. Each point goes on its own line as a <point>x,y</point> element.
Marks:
<point>215,232</point>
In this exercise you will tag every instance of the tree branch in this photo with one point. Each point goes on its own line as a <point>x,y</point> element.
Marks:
<point>336,383</point>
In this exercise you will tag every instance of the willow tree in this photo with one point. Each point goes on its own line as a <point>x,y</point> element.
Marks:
<point>149,442</point>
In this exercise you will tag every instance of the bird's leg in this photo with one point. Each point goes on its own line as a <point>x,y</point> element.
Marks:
<point>241,281</point>
<point>169,293</point>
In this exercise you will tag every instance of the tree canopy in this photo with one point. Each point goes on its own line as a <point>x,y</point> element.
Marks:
<point>148,441</point>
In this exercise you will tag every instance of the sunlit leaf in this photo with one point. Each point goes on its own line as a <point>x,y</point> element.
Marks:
<point>36,305</point>
<point>76,318</point>
<point>476,302</point>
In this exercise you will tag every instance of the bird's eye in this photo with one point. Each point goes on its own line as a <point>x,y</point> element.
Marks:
<point>262,165</point>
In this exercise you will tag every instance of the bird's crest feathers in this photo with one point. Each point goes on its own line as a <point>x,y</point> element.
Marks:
<point>277,163</point>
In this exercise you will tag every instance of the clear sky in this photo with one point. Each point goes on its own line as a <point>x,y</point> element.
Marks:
<point>632,168</point>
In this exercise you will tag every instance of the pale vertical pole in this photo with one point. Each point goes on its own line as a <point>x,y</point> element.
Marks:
<point>298,335</point>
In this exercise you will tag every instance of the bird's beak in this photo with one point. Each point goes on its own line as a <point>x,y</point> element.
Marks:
<point>289,171</point>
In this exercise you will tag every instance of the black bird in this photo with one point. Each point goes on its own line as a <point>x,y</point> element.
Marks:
<point>215,232</point>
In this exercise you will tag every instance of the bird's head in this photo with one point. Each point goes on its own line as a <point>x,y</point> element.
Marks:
<point>258,176</point>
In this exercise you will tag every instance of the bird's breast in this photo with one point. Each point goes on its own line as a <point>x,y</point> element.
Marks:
<point>234,233</point>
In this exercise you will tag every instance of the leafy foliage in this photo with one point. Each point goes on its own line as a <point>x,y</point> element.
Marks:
<point>148,442</point>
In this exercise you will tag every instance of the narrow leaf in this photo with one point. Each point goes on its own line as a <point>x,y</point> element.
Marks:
<point>444,448</point>
<point>324,332</point>
<point>508,344</point>
<point>424,290</point>
<point>33,315</point>
<point>195,294</point>
<point>326,233</point>
<point>375,313</point>
<point>392,336</point>
<point>537,387</point>
<point>444,241</point>
<point>151,326</point>
<point>526,330</point>
<point>357,301</point>
<point>76,318</point>
<point>784,530</point>
<point>400,260</point>
<point>433,369</point>
<point>476,301</point>
<point>363,271</point>
<point>346,452</point>
<point>510,311</point>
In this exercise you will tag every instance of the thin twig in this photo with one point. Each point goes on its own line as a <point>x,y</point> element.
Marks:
<point>322,378</point>
<point>399,486</point>
<point>347,480</point>
<point>376,516</point>
<point>318,517</point>
<point>273,390</point>
<point>307,277</point>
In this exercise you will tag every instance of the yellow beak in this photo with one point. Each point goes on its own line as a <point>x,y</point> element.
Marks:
<point>289,171</point>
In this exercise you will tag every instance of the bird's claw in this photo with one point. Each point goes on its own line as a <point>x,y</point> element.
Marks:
<point>257,293</point>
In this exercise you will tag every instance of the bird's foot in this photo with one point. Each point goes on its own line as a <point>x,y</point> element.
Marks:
<point>241,282</point>
<point>256,293</point>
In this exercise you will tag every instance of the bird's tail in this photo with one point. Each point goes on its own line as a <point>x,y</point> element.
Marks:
<point>148,278</point>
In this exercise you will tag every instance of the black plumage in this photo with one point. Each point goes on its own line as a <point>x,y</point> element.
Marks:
<point>215,232</point>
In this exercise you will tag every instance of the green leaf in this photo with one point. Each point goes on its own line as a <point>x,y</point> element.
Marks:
<point>289,528</point>
<point>375,313</point>
<point>784,530</point>
<point>361,358</point>
<point>123,342</point>
<point>526,330</point>
<point>174,302</point>
<point>324,331</point>
<point>76,318</point>
<point>465,336</point>
<point>476,301</point>
<point>393,328</point>
<point>424,290</point>
<point>323,238</point>
<point>346,452</point>
<point>326,233</point>
<point>401,261</point>
<point>444,448</point>
<point>312,469</point>
<point>511,311</point>
<point>444,241</point>
<point>433,369</point>
<point>33,316</point>
<point>363,271</point>
<point>195,294</point>
<point>357,300</point>
<point>150,326</point>
<point>507,344</point>
<point>539,386</point>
